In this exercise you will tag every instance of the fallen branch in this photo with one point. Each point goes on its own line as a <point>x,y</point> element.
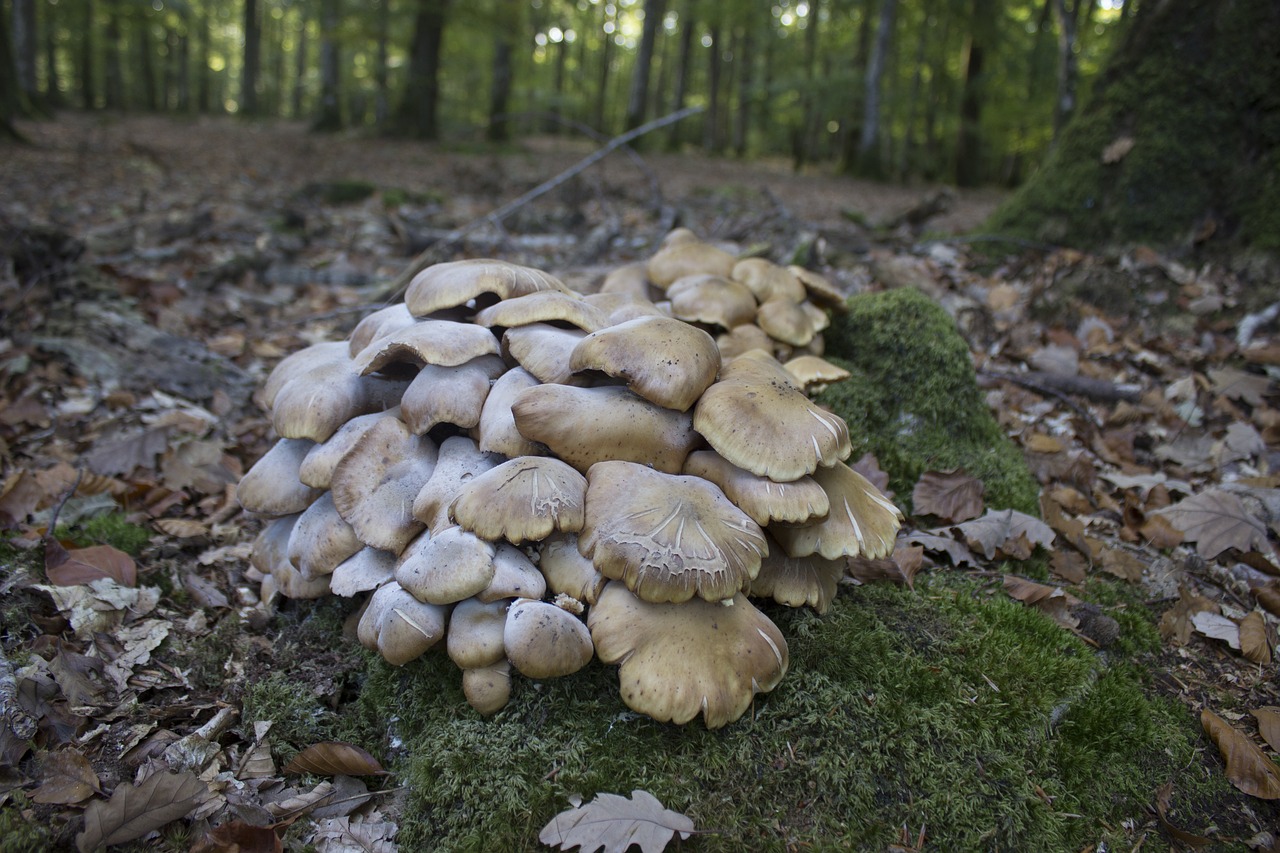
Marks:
<point>436,253</point>
<point>1056,384</point>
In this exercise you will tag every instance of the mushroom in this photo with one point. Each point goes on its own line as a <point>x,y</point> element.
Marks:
<point>384,321</point>
<point>567,571</point>
<point>439,342</point>
<point>812,372</point>
<point>514,576</point>
<point>764,500</point>
<point>679,660</point>
<point>271,558</point>
<point>767,280</point>
<point>547,306</point>
<point>664,360</point>
<point>543,350</point>
<point>273,486</point>
<point>457,462</point>
<point>322,396</point>
<point>784,320</point>
<point>317,468</point>
<point>487,688</point>
<point>321,539</point>
<point>743,339</point>
<point>668,537</point>
<point>497,432</point>
<point>713,300</point>
<point>688,257</point>
<point>862,522</point>
<point>366,569</point>
<point>819,289</point>
<point>453,284</point>
<point>523,498</point>
<point>400,627</point>
<point>797,581</point>
<point>544,641</point>
<point>450,395</point>
<point>475,633</point>
<point>441,567</point>
<point>375,483</point>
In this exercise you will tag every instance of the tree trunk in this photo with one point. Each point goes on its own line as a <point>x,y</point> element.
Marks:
<point>869,162</point>
<point>252,59</point>
<point>329,115</point>
<point>682,71</point>
<point>183,81</point>
<point>141,25</point>
<point>802,145</point>
<point>1068,67</point>
<point>53,97</point>
<point>417,115</point>
<point>84,58</point>
<point>382,102</point>
<point>639,96</point>
<point>969,155</point>
<point>300,65</point>
<point>557,100</point>
<point>204,96</point>
<point>507,23</point>
<point>606,60</point>
<point>746,89</point>
<point>904,168</point>
<point>26,47</point>
<point>711,126</point>
<point>1179,143</point>
<point>12,100</point>
<point>113,75</point>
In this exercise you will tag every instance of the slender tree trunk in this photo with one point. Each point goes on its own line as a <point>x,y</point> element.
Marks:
<point>12,101</point>
<point>300,64</point>
<point>84,58</point>
<point>113,75</point>
<point>53,97</point>
<point>557,98</point>
<point>682,71</point>
<point>26,47</point>
<point>803,144</point>
<point>145,51</point>
<point>417,115</point>
<point>639,96</point>
<point>329,116</point>
<point>969,154</point>
<point>382,101</point>
<point>711,125</point>
<point>851,133</point>
<point>904,168</point>
<point>606,60</point>
<point>252,59</point>
<point>507,22</point>
<point>204,85</point>
<point>1068,66</point>
<point>183,82</point>
<point>869,161</point>
<point>746,63</point>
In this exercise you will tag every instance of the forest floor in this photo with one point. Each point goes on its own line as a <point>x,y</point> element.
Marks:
<point>157,269</point>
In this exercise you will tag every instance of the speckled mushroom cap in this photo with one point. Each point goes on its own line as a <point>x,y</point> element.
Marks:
<point>315,400</point>
<point>456,283</point>
<point>668,537</point>
<point>543,350</point>
<point>459,460</point>
<point>317,467</point>
<point>400,627</point>
<point>439,342</point>
<point>797,581</point>
<point>321,539</point>
<point>810,371</point>
<point>384,321</point>
<point>474,637</point>
<point>547,306</point>
<point>712,299</point>
<point>768,280</point>
<point>679,660</point>
<point>442,567</point>
<point>497,432</point>
<point>544,641</point>
<point>374,484</point>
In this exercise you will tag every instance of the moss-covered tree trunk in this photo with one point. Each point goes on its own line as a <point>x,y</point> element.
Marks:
<point>1180,141</point>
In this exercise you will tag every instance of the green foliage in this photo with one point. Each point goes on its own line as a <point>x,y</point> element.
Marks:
<point>112,529</point>
<point>952,707</point>
<point>17,833</point>
<point>913,401</point>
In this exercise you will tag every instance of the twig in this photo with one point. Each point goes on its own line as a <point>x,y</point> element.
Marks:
<point>66,496</point>
<point>494,218</point>
<point>1057,384</point>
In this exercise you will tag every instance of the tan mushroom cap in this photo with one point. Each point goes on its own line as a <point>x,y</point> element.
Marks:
<point>543,350</point>
<point>299,363</point>
<point>784,320</point>
<point>440,342</point>
<point>819,289</point>
<point>676,236</point>
<point>321,539</point>
<point>522,499</point>
<point>688,257</point>
<point>666,361</point>
<point>474,638</point>
<point>759,497</point>
<point>514,576</point>
<point>768,280</point>
<point>584,426</point>
<point>797,581</point>
<point>318,400</point>
<point>668,537</point>
<point>758,419</point>
<point>543,641</point>
<point>630,279</point>
<point>567,571</point>
<point>366,569</point>
<point>712,299</point>
<point>821,319</point>
<point>497,431</point>
<point>375,483</point>
<point>548,306</point>
<point>450,395</point>
<point>271,486</point>
<point>487,688</point>
<point>317,468</point>
<point>810,370</point>
<point>446,566</point>
<point>384,321</point>
<point>862,521</point>
<point>679,660</point>
<point>741,340</point>
<point>271,558</point>
<point>398,626</point>
<point>621,307</point>
<point>458,460</point>
<point>456,283</point>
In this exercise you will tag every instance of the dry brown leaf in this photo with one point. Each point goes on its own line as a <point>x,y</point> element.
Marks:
<point>1175,623</point>
<point>613,823</point>
<point>1122,564</point>
<point>957,552</point>
<point>332,758</point>
<point>132,811</point>
<point>900,568</point>
<point>1216,520</point>
<point>86,565</point>
<point>1269,597</point>
<point>1217,627</point>
<point>1052,600</point>
<point>1269,726</point>
<point>122,455</point>
<point>950,495</point>
<point>1254,643</point>
<point>1238,385</point>
<point>66,778</point>
<point>239,837</point>
<point>1038,442</point>
<point>1163,795</point>
<point>19,495</point>
<point>1160,533</point>
<point>1007,531</point>
<point>1070,529</point>
<point>869,467</point>
<point>181,528</point>
<point>1248,768</point>
<point>1069,566</point>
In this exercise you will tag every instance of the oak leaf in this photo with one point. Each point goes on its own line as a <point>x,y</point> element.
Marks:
<point>1248,767</point>
<point>66,778</point>
<point>85,565</point>
<point>133,811</point>
<point>613,823</point>
<point>1216,521</point>
<point>950,495</point>
<point>1269,726</point>
<point>1007,531</point>
<point>333,758</point>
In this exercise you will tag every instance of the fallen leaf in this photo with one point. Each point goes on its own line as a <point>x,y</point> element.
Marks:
<point>1239,385</point>
<point>1160,532</point>
<point>1038,442</point>
<point>66,778</point>
<point>239,837</point>
<point>1007,530</point>
<point>332,758</point>
<point>1216,521</point>
<point>1175,623</point>
<point>356,834</point>
<point>1163,795</point>
<point>1269,726</point>
<point>614,823</point>
<point>20,494</point>
<point>85,565</point>
<point>132,811</point>
<point>1269,597</point>
<point>1070,529</point>
<point>1253,638</point>
<point>1052,600</point>
<point>1248,768</point>
<point>900,568</point>
<point>950,495</point>
<point>1069,566</point>
<point>1217,627</point>
<point>122,455</point>
<point>199,465</point>
<point>181,528</point>
<point>1122,564</point>
<point>957,552</point>
<point>869,467</point>
<point>297,804</point>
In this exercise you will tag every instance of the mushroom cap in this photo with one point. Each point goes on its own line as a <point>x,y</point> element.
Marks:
<point>440,342</point>
<point>271,486</point>
<point>514,576</point>
<point>544,641</point>
<point>809,370</point>
<point>271,558</point>
<point>445,566</point>
<point>668,537</point>
<point>317,468</point>
<point>547,306</point>
<point>821,319</point>
<point>487,688</point>
<point>375,483</point>
<point>475,633</point>
<point>450,395</point>
<point>743,339</point>
<point>296,364</point>
<point>797,581</point>
<point>631,279</point>
<point>759,497</point>
<point>321,539</point>
<point>819,289</point>
<point>567,571</point>
<point>677,660</point>
<point>384,321</point>
<point>523,498</point>
<point>688,257</point>
<point>784,320</point>
<point>862,521</point>
<point>664,360</point>
<point>458,282</point>
<point>584,426</point>
<point>400,627</point>
<point>366,569</point>
<point>712,299</point>
<point>757,418</point>
<point>543,350</point>
<point>768,280</point>
<point>497,431</point>
<point>315,402</point>
<point>458,460</point>
<point>621,307</point>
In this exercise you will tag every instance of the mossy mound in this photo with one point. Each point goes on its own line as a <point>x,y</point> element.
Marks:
<point>913,400</point>
<point>949,708</point>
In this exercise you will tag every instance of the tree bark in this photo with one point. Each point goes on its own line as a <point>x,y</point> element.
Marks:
<point>746,89</point>
<point>711,123</point>
<point>84,58</point>
<point>113,75</point>
<point>12,101</point>
<point>382,99</point>
<point>606,60</point>
<point>969,154</point>
<point>252,59</point>
<point>141,26</point>
<point>418,114</point>
<point>639,96</point>
<point>869,161</point>
<point>204,85</point>
<point>329,116</point>
<point>681,84</point>
<point>505,28</point>
<point>1068,67</point>
<point>53,97</point>
<point>300,65</point>
<point>26,46</point>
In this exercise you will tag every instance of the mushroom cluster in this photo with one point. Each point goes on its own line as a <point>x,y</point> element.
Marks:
<point>531,477</point>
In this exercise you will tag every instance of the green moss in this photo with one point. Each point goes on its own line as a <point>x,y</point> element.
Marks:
<point>913,401</point>
<point>112,529</point>
<point>397,196</point>
<point>949,708</point>
<point>19,834</point>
